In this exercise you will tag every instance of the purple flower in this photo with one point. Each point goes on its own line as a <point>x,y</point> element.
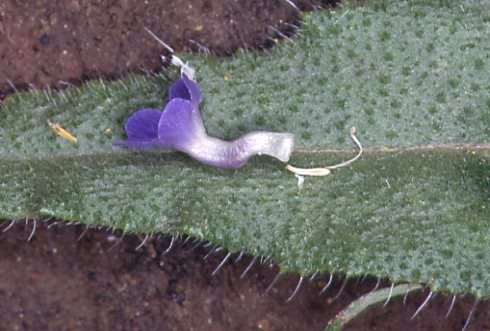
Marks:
<point>180,127</point>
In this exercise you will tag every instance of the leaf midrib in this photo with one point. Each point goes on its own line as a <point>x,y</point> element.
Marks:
<point>297,153</point>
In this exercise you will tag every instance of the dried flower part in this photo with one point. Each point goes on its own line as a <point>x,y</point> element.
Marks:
<point>180,127</point>
<point>234,154</point>
<point>324,171</point>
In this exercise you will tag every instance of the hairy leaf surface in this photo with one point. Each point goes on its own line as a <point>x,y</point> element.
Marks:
<point>411,76</point>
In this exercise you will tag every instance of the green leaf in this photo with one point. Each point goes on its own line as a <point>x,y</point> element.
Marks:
<point>409,75</point>
<point>364,302</point>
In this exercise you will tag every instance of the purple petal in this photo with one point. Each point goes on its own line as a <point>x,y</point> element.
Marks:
<point>142,129</point>
<point>179,124</point>
<point>180,127</point>
<point>187,89</point>
<point>143,125</point>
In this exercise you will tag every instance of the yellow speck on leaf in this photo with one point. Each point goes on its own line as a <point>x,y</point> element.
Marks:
<point>226,77</point>
<point>58,129</point>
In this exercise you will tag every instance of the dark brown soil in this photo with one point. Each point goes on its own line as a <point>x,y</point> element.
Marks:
<point>46,43</point>
<point>55,282</point>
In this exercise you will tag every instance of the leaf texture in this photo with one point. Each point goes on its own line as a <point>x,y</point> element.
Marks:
<point>411,76</point>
